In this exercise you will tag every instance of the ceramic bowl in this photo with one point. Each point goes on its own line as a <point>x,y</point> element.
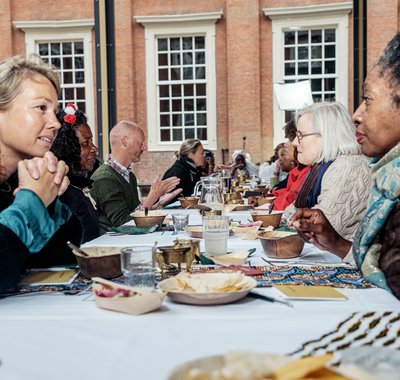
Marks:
<point>102,262</point>
<point>273,219</point>
<point>188,201</point>
<point>152,218</point>
<point>281,244</point>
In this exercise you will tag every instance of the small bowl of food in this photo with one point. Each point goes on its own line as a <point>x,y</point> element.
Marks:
<point>188,201</point>
<point>281,244</point>
<point>152,218</point>
<point>268,219</point>
<point>100,262</point>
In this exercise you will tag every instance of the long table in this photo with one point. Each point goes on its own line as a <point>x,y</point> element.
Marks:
<point>56,336</point>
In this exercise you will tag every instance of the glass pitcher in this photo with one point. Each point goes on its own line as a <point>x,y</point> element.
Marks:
<point>211,192</point>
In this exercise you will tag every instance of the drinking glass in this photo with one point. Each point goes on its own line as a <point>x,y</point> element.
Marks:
<point>180,221</point>
<point>215,234</point>
<point>137,265</point>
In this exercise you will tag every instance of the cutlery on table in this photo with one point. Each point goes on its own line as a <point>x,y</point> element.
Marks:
<point>76,248</point>
<point>269,298</point>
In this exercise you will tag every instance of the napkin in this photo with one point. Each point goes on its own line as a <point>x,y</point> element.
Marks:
<point>233,258</point>
<point>247,231</point>
<point>132,230</point>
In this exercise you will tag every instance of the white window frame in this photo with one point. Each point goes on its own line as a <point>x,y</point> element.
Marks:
<point>335,16</point>
<point>62,31</point>
<point>177,26</point>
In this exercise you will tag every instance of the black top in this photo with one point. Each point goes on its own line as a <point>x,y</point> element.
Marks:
<point>14,256</point>
<point>81,205</point>
<point>188,174</point>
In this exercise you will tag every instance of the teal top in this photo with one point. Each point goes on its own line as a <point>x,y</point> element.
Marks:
<point>30,220</point>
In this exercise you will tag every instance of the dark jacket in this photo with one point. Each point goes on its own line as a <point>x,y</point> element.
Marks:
<point>389,260</point>
<point>82,207</point>
<point>55,252</point>
<point>188,175</point>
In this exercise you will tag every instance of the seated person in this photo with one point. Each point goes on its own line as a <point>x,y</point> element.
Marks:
<point>209,164</point>
<point>26,225</point>
<point>339,179</point>
<point>187,166</point>
<point>376,245</point>
<point>28,99</point>
<point>74,145</point>
<point>242,163</point>
<point>115,187</point>
<point>269,167</point>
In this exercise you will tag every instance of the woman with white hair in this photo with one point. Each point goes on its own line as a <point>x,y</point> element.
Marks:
<point>339,180</point>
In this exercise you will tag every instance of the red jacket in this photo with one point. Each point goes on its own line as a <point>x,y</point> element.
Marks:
<point>287,195</point>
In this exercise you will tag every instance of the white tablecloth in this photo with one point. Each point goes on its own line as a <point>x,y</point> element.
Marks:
<point>55,336</point>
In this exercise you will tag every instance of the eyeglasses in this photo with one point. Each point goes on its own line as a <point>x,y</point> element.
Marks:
<point>300,136</point>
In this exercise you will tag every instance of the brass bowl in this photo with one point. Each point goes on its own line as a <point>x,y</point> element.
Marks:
<point>281,244</point>
<point>153,217</point>
<point>268,219</point>
<point>102,262</point>
<point>188,201</point>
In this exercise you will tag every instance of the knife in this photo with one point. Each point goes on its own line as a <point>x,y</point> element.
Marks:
<point>146,211</point>
<point>269,298</point>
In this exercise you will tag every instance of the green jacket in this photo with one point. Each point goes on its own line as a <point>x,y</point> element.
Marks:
<point>115,198</point>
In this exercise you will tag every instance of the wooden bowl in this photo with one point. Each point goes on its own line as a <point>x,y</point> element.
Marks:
<point>102,262</point>
<point>281,244</point>
<point>188,201</point>
<point>152,218</point>
<point>267,219</point>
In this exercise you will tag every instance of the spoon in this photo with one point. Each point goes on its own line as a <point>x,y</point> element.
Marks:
<point>271,208</point>
<point>77,249</point>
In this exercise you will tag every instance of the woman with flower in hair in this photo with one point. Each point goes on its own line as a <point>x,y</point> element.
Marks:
<point>74,144</point>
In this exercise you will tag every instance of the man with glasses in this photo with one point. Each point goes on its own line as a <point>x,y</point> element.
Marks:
<point>115,186</point>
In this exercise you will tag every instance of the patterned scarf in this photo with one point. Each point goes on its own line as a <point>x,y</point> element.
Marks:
<point>383,199</point>
<point>311,189</point>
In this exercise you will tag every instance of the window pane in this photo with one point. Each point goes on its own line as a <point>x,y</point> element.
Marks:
<point>176,90</point>
<point>189,106</point>
<point>316,67</point>
<point>175,73</point>
<point>200,58</point>
<point>67,48</point>
<point>164,105</point>
<point>330,84</point>
<point>201,72</point>
<point>316,36</point>
<point>163,74</point>
<point>43,49</point>
<point>302,37</point>
<point>330,67</point>
<point>199,43</point>
<point>162,59</point>
<point>175,44</point>
<point>164,120</point>
<point>330,51</point>
<point>176,105</point>
<point>67,77</point>
<point>290,68</point>
<point>187,73</point>
<point>164,91</point>
<point>316,52</point>
<point>188,89</point>
<point>201,104</point>
<point>177,119</point>
<point>175,59</point>
<point>202,133</point>
<point>303,68</point>
<point>165,135</point>
<point>56,62</point>
<point>302,52</point>
<point>290,38</point>
<point>79,64</point>
<point>330,35</point>
<point>79,77</point>
<point>187,43</point>
<point>177,135</point>
<point>162,44</point>
<point>69,94</point>
<point>189,133</point>
<point>78,47</point>
<point>55,49</point>
<point>316,85</point>
<point>80,93</point>
<point>187,58</point>
<point>201,119</point>
<point>200,89</point>
<point>290,53</point>
<point>67,63</point>
<point>189,119</point>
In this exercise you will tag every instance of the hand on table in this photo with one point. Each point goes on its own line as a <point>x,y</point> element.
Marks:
<point>315,228</point>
